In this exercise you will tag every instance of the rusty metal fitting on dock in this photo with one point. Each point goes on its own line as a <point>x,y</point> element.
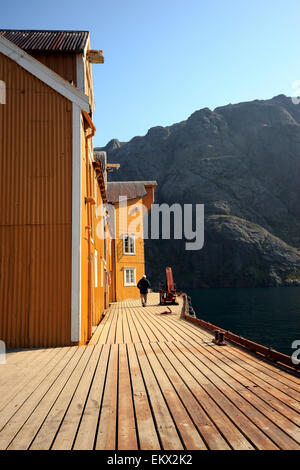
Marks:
<point>219,338</point>
<point>222,341</point>
<point>216,336</point>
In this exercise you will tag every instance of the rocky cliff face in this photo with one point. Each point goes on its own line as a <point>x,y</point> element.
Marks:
<point>243,163</point>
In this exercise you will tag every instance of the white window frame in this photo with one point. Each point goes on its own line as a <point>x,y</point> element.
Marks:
<point>128,284</point>
<point>129,235</point>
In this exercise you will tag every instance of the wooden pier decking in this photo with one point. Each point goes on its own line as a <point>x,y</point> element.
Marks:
<point>147,381</point>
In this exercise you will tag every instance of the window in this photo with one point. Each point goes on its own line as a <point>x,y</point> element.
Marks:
<point>128,244</point>
<point>129,277</point>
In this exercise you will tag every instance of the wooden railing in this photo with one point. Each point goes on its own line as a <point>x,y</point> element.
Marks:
<point>267,353</point>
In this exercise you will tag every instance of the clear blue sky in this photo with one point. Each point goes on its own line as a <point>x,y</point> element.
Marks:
<point>164,59</point>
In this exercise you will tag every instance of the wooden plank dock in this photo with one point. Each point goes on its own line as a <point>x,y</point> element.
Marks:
<point>147,381</point>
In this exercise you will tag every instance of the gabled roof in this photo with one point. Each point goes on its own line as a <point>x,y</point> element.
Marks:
<point>39,40</point>
<point>130,189</point>
<point>43,73</point>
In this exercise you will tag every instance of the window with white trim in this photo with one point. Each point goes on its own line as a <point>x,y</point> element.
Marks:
<point>128,244</point>
<point>129,277</point>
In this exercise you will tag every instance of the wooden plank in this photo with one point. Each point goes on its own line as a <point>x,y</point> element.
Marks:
<point>86,434</point>
<point>94,339</point>
<point>135,315</point>
<point>193,396</point>
<point>214,355</point>
<point>72,371</point>
<point>279,401</point>
<point>47,432</point>
<point>263,367</point>
<point>119,328</point>
<point>145,424</point>
<point>16,382</point>
<point>166,428</point>
<point>159,325</point>
<point>229,434</point>
<point>82,378</point>
<point>153,333</point>
<point>127,436</point>
<point>26,355</point>
<point>175,389</point>
<point>279,391</point>
<point>185,426</point>
<point>236,404</point>
<point>25,390</point>
<point>106,327</point>
<point>107,324</point>
<point>111,337</point>
<point>195,330</point>
<point>191,331</point>
<point>126,330</point>
<point>149,329</point>
<point>160,332</point>
<point>281,421</point>
<point>246,389</point>
<point>291,376</point>
<point>9,431</point>
<point>166,325</point>
<point>12,356</point>
<point>18,364</point>
<point>276,370</point>
<point>133,331</point>
<point>174,324</point>
<point>107,431</point>
<point>246,426</point>
<point>97,333</point>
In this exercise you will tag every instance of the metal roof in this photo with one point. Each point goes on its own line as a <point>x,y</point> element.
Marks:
<point>38,40</point>
<point>131,189</point>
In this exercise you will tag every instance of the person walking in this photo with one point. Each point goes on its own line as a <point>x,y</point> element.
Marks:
<point>143,285</point>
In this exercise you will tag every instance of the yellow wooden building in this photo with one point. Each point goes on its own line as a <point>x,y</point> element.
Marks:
<point>131,201</point>
<point>56,268</point>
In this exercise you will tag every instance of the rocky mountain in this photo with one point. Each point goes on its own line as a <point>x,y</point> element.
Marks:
<point>242,162</point>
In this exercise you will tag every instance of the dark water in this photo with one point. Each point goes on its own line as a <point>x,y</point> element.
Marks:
<point>268,316</point>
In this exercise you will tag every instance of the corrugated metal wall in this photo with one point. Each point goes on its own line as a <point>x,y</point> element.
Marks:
<point>97,292</point>
<point>63,63</point>
<point>99,247</point>
<point>84,243</point>
<point>35,211</point>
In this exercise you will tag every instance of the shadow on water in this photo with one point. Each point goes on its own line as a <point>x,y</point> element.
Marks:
<point>269,316</point>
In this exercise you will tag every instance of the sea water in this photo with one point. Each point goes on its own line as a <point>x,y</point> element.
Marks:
<point>268,316</point>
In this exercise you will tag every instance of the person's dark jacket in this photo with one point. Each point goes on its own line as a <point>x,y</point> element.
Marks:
<point>143,285</point>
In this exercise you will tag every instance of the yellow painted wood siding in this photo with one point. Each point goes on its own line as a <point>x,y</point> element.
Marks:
<point>133,225</point>
<point>35,211</point>
<point>63,63</point>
